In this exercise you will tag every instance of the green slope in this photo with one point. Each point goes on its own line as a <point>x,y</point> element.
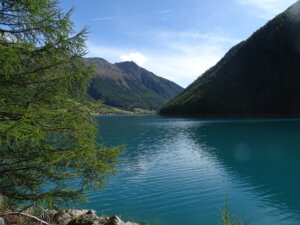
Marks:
<point>109,110</point>
<point>259,77</point>
<point>128,86</point>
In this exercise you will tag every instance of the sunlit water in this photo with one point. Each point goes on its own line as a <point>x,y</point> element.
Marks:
<point>178,171</point>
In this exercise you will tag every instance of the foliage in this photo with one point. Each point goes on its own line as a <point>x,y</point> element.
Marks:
<point>47,134</point>
<point>258,77</point>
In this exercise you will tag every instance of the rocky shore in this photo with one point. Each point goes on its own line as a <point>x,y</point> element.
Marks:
<point>83,217</point>
<point>74,217</point>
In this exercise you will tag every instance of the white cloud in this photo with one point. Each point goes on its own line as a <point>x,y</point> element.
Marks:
<point>181,56</point>
<point>114,54</point>
<point>136,57</point>
<point>270,7</point>
<point>195,36</point>
<point>188,55</point>
<point>182,69</point>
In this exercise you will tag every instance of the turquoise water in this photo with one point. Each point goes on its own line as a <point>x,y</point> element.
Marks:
<point>178,171</point>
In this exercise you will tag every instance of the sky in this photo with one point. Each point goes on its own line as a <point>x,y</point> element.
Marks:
<point>175,39</point>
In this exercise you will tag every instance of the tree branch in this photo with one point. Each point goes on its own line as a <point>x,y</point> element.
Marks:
<point>26,215</point>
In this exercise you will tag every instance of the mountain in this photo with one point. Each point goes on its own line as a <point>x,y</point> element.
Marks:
<point>126,85</point>
<point>259,77</point>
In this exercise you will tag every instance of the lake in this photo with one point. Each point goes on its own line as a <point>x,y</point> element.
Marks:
<point>179,171</point>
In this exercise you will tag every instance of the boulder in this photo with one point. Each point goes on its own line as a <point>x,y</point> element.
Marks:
<point>49,215</point>
<point>115,220</point>
<point>86,219</point>
<point>1,221</point>
<point>64,217</point>
<point>83,217</point>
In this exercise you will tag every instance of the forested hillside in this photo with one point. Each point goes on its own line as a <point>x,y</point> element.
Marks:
<point>258,77</point>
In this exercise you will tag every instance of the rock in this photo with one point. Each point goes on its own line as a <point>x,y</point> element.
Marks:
<point>114,220</point>
<point>49,215</point>
<point>1,221</point>
<point>75,213</point>
<point>86,219</point>
<point>83,217</point>
<point>93,212</point>
<point>129,223</point>
<point>64,217</point>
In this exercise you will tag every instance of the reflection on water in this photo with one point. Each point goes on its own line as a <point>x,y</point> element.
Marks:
<point>178,171</point>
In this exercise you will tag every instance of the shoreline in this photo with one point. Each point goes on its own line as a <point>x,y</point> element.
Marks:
<point>64,217</point>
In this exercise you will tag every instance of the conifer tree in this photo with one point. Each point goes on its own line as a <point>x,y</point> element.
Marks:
<point>47,133</point>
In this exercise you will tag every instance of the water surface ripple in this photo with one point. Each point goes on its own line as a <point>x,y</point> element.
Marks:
<point>178,171</point>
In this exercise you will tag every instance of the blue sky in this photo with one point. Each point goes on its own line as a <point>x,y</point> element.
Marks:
<point>175,39</point>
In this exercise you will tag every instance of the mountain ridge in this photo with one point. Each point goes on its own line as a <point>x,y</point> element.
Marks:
<point>127,86</point>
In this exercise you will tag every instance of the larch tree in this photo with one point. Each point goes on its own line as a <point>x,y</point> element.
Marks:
<point>47,133</point>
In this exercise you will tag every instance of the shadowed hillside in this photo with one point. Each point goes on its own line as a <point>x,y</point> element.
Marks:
<point>259,77</point>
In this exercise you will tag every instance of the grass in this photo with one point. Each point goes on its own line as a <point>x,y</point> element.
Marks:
<point>110,110</point>
<point>228,218</point>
